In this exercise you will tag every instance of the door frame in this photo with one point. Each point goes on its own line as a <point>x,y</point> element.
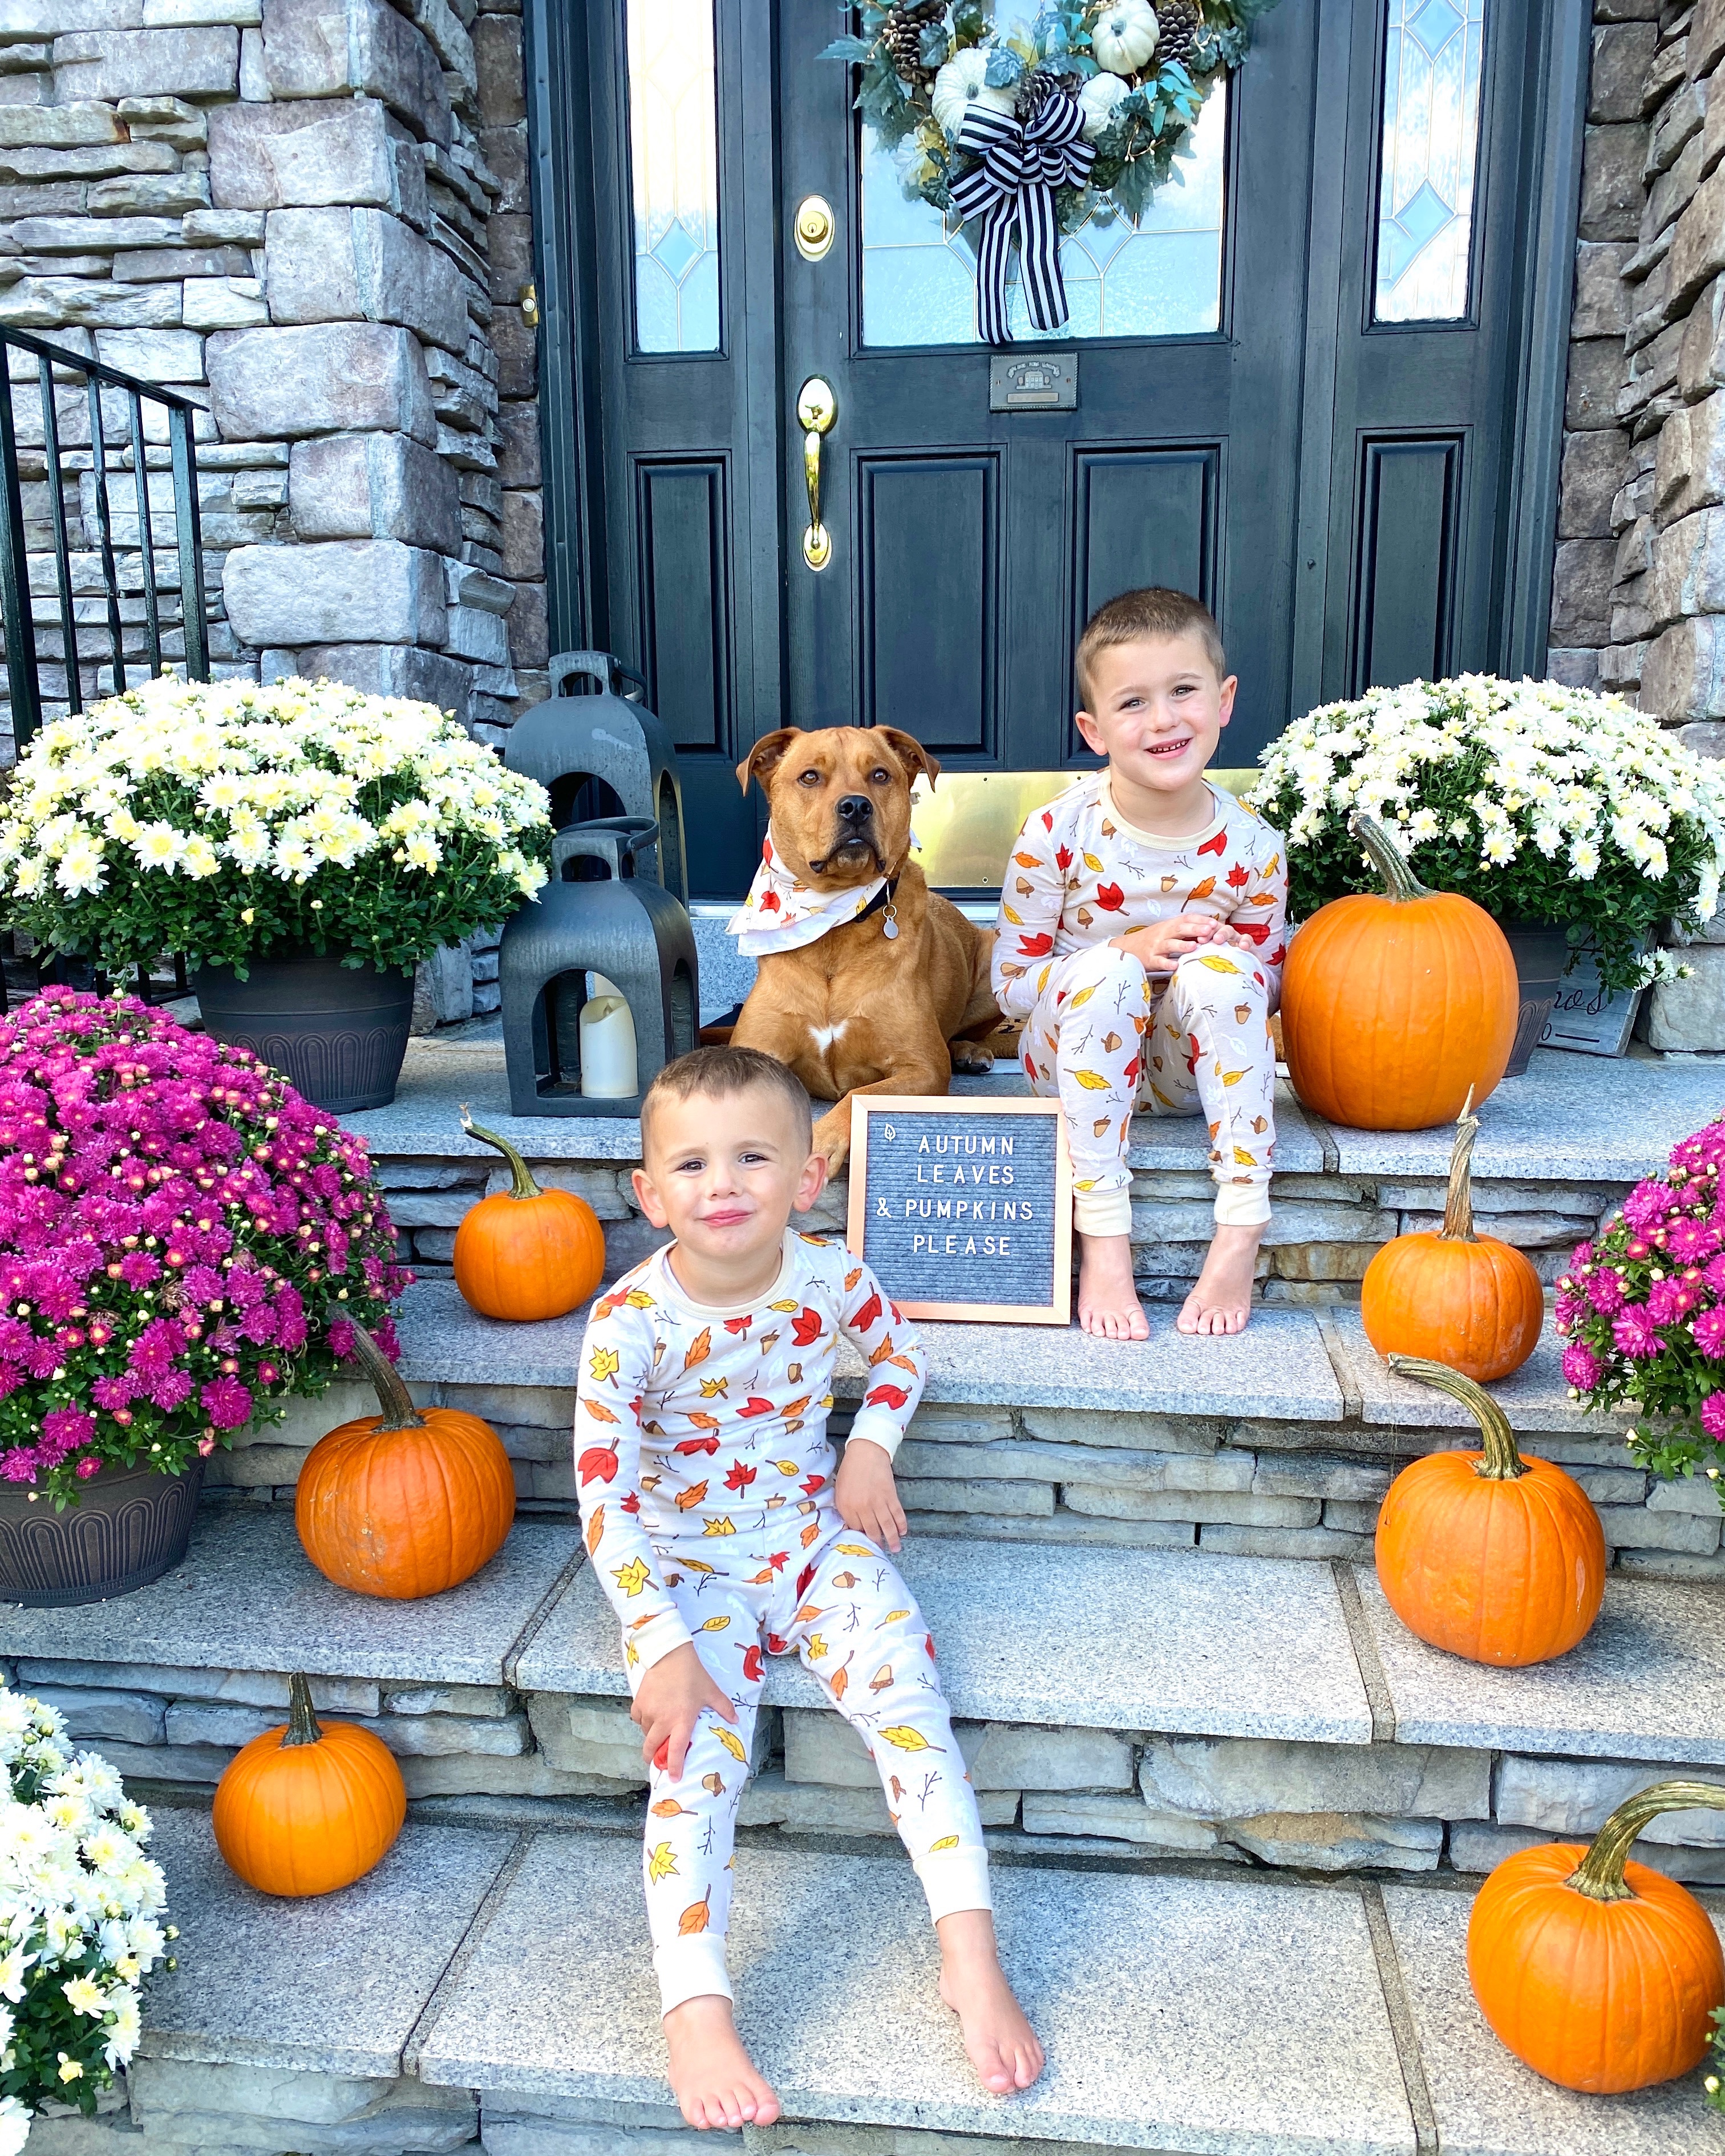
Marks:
<point>572,286</point>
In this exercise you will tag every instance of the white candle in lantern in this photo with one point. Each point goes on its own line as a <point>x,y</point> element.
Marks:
<point>607,1044</point>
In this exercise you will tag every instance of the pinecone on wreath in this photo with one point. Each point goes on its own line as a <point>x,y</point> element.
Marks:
<point>901,33</point>
<point>1179,23</point>
<point>1040,84</point>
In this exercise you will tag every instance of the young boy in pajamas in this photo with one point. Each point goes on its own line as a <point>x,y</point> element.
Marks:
<point>1142,934</point>
<point>715,1523</point>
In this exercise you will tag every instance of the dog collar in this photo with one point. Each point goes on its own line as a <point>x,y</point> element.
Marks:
<point>883,900</point>
<point>781,914</point>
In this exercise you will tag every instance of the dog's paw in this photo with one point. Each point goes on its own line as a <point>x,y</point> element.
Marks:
<point>972,1058</point>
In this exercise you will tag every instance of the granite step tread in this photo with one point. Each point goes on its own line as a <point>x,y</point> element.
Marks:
<point>517,1967</point>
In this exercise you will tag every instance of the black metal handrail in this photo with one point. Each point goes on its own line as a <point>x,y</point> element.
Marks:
<point>22,665</point>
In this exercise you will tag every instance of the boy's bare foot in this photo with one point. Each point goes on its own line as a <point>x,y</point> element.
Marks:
<point>1001,2043</point>
<point>1222,1301</point>
<point>1108,1305</point>
<point>712,2076</point>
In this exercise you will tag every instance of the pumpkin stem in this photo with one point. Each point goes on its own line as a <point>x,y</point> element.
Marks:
<point>1400,884</point>
<point>1501,1462</point>
<point>524,1186</point>
<point>1599,1874</point>
<point>393,1398</point>
<point>302,1722</point>
<point>1458,1206</point>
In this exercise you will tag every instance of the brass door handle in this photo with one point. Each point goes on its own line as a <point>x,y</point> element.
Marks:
<point>817,409</point>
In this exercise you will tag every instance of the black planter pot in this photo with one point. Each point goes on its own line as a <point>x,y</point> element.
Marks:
<point>338,1032</point>
<point>129,1525</point>
<point>1541,953</point>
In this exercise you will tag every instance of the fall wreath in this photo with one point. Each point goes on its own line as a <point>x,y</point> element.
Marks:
<point>1035,126</point>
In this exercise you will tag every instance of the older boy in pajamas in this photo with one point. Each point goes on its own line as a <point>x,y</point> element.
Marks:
<point>1142,935</point>
<point>715,1524</point>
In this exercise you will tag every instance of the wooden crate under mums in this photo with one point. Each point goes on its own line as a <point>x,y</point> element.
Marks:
<point>963,1208</point>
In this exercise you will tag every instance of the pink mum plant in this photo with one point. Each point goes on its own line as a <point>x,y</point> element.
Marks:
<point>1642,1308</point>
<point>182,1240</point>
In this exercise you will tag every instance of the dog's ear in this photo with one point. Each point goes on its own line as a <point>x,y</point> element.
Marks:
<point>763,759</point>
<point>912,752</point>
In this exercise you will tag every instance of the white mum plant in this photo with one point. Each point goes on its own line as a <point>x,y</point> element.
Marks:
<point>1545,805</point>
<point>79,1906</point>
<point>228,821</point>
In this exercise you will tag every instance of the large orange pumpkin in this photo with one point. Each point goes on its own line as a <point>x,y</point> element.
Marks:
<point>304,1809</point>
<point>406,1502</point>
<point>527,1253</point>
<point>1394,1006</point>
<point>1455,1298</point>
<point>1599,1973</point>
<point>1489,1556</point>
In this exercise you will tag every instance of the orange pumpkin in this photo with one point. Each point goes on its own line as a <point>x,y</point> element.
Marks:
<point>1489,1556</point>
<point>1394,1006</point>
<point>305,1809</point>
<point>406,1502</point>
<point>527,1253</point>
<point>1455,1298</point>
<point>1599,1973</point>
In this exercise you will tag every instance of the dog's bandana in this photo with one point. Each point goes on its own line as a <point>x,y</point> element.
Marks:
<point>780,914</point>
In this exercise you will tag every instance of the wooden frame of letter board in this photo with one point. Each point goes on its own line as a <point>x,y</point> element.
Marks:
<point>862,1106</point>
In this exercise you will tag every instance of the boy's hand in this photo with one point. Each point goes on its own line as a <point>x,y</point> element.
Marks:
<point>671,1699</point>
<point>1161,947</point>
<point>866,1494</point>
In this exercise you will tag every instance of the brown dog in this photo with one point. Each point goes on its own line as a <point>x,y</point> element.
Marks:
<point>859,1011</point>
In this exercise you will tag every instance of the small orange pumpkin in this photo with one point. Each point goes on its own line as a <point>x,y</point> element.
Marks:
<point>1600,1975</point>
<point>525,1254</point>
<point>1489,1556</point>
<point>305,1809</point>
<point>1394,1006</point>
<point>1455,1298</point>
<point>404,1503</point>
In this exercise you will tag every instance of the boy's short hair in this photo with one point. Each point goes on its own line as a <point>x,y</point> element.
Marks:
<point>1136,616</point>
<point>719,1074</point>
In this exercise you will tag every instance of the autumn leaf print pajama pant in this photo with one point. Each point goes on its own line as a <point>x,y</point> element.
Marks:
<point>1107,1037</point>
<point>847,1613</point>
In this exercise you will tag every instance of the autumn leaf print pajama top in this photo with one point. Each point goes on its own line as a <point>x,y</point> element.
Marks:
<point>705,1480</point>
<point>1108,1038</point>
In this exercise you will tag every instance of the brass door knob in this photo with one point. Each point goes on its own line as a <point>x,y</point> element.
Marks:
<point>817,409</point>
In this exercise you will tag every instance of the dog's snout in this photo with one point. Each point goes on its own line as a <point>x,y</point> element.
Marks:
<point>855,808</point>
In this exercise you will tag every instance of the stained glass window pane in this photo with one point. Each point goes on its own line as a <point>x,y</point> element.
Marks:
<point>673,156</point>
<point>1161,277</point>
<point>1433,51</point>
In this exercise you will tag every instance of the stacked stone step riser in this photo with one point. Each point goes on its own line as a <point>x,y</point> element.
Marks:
<point>1250,1488</point>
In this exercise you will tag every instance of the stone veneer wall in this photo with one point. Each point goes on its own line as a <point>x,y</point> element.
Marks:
<point>310,217</point>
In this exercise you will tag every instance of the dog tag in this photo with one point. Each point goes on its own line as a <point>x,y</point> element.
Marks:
<point>889,927</point>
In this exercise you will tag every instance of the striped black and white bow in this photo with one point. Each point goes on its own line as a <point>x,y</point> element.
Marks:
<point>1020,164</point>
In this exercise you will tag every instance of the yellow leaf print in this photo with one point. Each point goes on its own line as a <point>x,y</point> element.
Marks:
<point>695,1564</point>
<point>1089,1183</point>
<point>854,1549</point>
<point>946,1841</point>
<point>1161,1095</point>
<point>907,1739</point>
<point>817,1647</point>
<point>1242,1159</point>
<point>1218,965</point>
<point>602,1364</point>
<point>699,1349</point>
<point>716,1624</point>
<point>714,1388</point>
<point>639,1299</point>
<point>1091,1080</point>
<point>787,1466</point>
<point>733,1743</point>
<point>1083,996</point>
<point>1093,864</point>
<point>1017,920</point>
<point>1232,1077</point>
<point>718,1527</point>
<point>662,1862</point>
<point>1271,866</point>
<point>595,1528</point>
<point>892,1617</point>
<point>631,1653</point>
<point>632,1576</point>
<point>792,1304</point>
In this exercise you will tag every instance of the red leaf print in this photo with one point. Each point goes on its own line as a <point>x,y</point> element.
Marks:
<point>754,1668</point>
<point>1259,930</point>
<point>1277,955</point>
<point>739,1476</point>
<point>885,1396</point>
<point>1133,1069</point>
<point>739,1326</point>
<point>1029,1066</point>
<point>778,1560</point>
<point>1219,845</point>
<point>1063,859</point>
<point>811,1483</point>
<point>805,1326</point>
<point>869,1315</point>
<point>598,1464</point>
<point>898,1316</point>
<point>689,1444</point>
<point>632,1503</point>
<point>802,1580</point>
<point>928,1642</point>
<point>1035,947</point>
<point>1110,897</point>
<point>1047,820</point>
<point>769,901</point>
<point>775,1646</point>
<point>1239,877</point>
<point>661,1758</point>
<point>755,1405</point>
<point>603,1307</point>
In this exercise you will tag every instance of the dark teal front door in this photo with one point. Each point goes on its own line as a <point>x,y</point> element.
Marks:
<point>1306,388</point>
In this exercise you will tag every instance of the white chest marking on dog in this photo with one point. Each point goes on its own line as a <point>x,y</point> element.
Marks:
<point>823,1036</point>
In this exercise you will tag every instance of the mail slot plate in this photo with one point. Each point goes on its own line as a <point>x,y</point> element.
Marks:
<point>1032,381</point>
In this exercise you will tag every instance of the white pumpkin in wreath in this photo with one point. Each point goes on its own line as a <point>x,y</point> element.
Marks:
<point>963,83</point>
<point>1123,36</point>
<point>1097,100</point>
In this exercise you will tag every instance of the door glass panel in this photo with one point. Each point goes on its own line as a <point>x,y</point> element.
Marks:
<point>1432,55</point>
<point>1161,279</point>
<point>673,159</point>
